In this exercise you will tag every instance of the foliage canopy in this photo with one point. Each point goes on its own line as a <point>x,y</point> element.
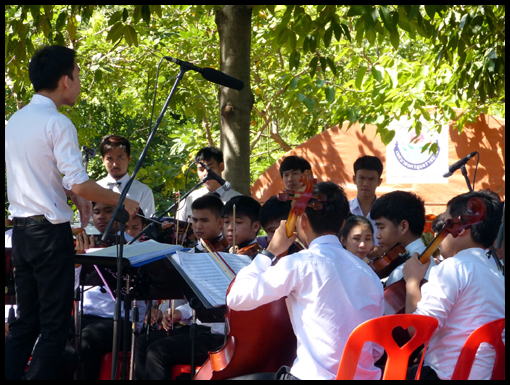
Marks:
<point>313,67</point>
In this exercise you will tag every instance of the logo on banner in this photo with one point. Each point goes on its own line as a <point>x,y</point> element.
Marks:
<point>410,156</point>
<point>406,162</point>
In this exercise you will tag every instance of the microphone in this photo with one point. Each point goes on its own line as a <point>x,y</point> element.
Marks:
<point>454,167</point>
<point>91,152</point>
<point>211,74</point>
<point>212,175</point>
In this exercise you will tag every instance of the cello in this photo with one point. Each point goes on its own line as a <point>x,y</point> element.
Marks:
<point>262,339</point>
<point>395,294</point>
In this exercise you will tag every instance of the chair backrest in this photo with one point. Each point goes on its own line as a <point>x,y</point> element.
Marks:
<point>490,333</point>
<point>379,330</point>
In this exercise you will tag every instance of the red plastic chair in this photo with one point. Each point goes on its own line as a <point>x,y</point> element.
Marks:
<point>105,372</point>
<point>492,334</point>
<point>178,370</point>
<point>379,330</point>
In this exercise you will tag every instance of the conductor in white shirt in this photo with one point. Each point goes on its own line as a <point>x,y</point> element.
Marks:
<point>116,155</point>
<point>44,164</point>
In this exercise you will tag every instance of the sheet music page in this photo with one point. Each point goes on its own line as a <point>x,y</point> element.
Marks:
<point>209,278</point>
<point>138,252</point>
<point>236,262</point>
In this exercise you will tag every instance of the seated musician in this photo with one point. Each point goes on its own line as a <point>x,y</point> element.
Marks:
<point>116,155</point>
<point>212,157</point>
<point>271,214</point>
<point>246,224</point>
<point>135,225</point>
<point>98,306</point>
<point>329,291</point>
<point>171,346</point>
<point>291,169</point>
<point>464,292</point>
<point>400,218</point>
<point>207,222</point>
<point>357,236</point>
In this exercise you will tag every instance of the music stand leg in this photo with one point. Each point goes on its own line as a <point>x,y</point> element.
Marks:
<point>135,319</point>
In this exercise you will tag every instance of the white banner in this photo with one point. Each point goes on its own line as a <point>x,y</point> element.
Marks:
<point>405,161</point>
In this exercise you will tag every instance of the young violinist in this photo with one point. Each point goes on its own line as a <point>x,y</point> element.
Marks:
<point>98,307</point>
<point>357,236</point>
<point>171,345</point>
<point>400,218</point>
<point>241,228</point>
<point>116,155</point>
<point>44,164</point>
<point>329,291</point>
<point>291,169</point>
<point>207,222</point>
<point>464,292</point>
<point>211,157</point>
<point>367,177</point>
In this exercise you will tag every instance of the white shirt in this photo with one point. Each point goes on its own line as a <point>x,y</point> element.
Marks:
<point>416,246</point>
<point>463,293</point>
<point>356,210</point>
<point>41,145</point>
<point>138,192</point>
<point>185,211</point>
<point>329,293</point>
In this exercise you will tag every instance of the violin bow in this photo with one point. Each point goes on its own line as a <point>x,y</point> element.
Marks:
<point>209,247</point>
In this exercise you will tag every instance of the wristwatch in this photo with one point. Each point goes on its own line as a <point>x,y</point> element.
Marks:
<point>270,255</point>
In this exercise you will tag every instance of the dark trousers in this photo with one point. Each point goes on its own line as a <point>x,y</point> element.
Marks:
<point>96,340</point>
<point>165,351</point>
<point>43,258</point>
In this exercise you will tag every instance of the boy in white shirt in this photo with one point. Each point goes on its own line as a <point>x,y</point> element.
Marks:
<point>116,155</point>
<point>463,292</point>
<point>312,281</point>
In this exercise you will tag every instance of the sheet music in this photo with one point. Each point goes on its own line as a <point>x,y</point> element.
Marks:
<point>236,262</point>
<point>139,252</point>
<point>210,279</point>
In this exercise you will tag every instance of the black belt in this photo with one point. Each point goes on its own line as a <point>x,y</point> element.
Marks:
<point>29,221</point>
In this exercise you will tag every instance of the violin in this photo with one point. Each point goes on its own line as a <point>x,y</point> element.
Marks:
<point>259,340</point>
<point>395,294</point>
<point>386,263</point>
<point>301,200</point>
<point>250,250</point>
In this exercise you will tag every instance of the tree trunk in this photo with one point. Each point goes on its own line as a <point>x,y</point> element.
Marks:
<point>234,27</point>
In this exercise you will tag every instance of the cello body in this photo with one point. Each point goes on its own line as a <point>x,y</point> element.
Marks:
<point>260,340</point>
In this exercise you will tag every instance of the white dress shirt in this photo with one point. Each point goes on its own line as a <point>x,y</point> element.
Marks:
<point>329,293</point>
<point>356,210</point>
<point>416,246</point>
<point>41,145</point>
<point>463,293</point>
<point>138,192</point>
<point>185,207</point>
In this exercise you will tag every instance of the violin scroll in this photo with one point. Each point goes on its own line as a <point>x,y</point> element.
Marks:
<point>300,200</point>
<point>477,210</point>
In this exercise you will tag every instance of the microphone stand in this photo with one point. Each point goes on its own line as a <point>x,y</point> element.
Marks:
<point>491,248</point>
<point>464,172</point>
<point>122,216</point>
